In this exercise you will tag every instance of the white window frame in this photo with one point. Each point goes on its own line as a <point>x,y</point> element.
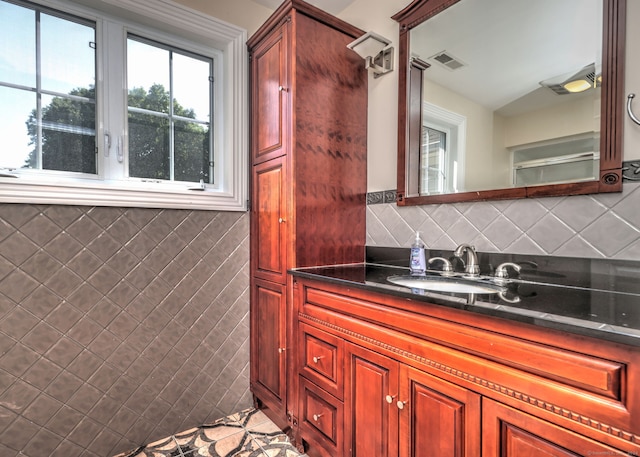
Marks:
<point>212,37</point>
<point>455,125</point>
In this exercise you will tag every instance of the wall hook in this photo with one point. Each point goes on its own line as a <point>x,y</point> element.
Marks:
<point>629,111</point>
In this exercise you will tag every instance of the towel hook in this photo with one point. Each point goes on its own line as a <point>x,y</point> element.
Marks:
<point>629,111</point>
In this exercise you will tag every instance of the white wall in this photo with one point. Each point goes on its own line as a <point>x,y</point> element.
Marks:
<point>243,13</point>
<point>570,118</point>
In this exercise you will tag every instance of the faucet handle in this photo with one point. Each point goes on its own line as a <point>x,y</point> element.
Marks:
<point>501,270</point>
<point>447,268</point>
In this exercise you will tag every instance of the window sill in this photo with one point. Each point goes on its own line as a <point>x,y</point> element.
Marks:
<point>120,194</point>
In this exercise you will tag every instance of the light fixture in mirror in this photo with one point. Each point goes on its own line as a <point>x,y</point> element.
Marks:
<point>373,49</point>
<point>509,99</point>
<point>575,82</point>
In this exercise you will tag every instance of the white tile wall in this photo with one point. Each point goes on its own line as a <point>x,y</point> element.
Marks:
<point>594,226</point>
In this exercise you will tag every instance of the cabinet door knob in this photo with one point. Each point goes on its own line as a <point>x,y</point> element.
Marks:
<point>389,398</point>
<point>316,417</point>
<point>401,404</point>
<point>317,359</point>
<point>282,88</point>
<point>281,350</point>
<point>280,220</point>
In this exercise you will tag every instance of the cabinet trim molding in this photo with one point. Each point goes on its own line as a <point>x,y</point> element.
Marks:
<point>522,397</point>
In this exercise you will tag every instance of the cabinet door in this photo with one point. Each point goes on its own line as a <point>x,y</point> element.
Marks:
<point>437,418</point>
<point>270,103</point>
<point>371,413</point>
<point>268,221</point>
<point>507,432</point>
<point>268,344</point>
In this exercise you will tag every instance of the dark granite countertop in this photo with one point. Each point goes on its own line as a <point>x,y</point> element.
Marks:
<point>590,298</point>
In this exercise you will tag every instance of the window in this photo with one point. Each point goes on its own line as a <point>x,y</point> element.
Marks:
<point>102,110</point>
<point>48,87</point>
<point>442,150</point>
<point>432,161</point>
<point>169,106</point>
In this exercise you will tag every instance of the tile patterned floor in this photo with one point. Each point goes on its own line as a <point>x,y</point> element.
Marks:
<point>248,433</point>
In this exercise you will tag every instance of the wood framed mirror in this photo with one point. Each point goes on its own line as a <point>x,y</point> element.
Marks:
<point>502,99</point>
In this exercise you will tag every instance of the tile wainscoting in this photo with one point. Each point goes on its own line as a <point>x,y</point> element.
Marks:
<point>594,226</point>
<point>119,326</point>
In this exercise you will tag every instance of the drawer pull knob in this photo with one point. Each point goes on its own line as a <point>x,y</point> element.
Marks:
<point>389,398</point>
<point>401,404</point>
<point>316,417</point>
<point>317,359</point>
<point>281,350</point>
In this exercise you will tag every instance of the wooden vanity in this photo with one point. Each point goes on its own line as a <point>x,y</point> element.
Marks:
<point>382,375</point>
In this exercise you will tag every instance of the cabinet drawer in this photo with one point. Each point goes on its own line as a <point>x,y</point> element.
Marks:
<point>321,418</point>
<point>321,358</point>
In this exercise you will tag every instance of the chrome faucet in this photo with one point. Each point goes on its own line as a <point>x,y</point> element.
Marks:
<point>501,271</point>
<point>471,264</point>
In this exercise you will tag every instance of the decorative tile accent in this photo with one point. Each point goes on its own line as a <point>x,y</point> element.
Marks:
<point>110,323</point>
<point>631,171</point>
<point>600,225</point>
<point>385,196</point>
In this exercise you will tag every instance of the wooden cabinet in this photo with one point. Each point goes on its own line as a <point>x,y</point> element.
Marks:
<point>270,95</point>
<point>508,432</point>
<point>269,221</point>
<point>422,380</point>
<point>432,407</point>
<point>308,171</point>
<point>371,413</point>
<point>268,372</point>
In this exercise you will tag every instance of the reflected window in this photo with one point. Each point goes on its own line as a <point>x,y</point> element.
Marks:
<point>432,160</point>
<point>442,150</point>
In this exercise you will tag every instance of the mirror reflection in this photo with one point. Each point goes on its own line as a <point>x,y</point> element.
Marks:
<point>511,94</point>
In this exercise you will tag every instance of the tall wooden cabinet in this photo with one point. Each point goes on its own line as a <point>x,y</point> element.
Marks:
<point>308,166</point>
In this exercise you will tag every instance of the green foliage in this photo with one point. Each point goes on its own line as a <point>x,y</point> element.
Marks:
<point>69,143</point>
<point>67,140</point>
<point>149,139</point>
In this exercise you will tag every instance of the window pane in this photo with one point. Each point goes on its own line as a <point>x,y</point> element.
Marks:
<point>149,153</point>
<point>68,135</point>
<point>17,45</point>
<point>148,76</point>
<point>68,61</point>
<point>191,86</point>
<point>191,152</point>
<point>176,87</point>
<point>432,161</point>
<point>43,131</point>
<point>17,141</point>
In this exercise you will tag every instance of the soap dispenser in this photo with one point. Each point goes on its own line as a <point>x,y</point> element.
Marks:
<point>417,262</point>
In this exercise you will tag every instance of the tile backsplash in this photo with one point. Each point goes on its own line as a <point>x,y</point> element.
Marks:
<point>119,326</point>
<point>594,226</point>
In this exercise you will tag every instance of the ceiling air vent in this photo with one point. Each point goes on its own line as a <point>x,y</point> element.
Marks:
<point>447,60</point>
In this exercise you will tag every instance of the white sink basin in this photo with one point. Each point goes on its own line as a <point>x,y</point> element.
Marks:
<point>443,284</point>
